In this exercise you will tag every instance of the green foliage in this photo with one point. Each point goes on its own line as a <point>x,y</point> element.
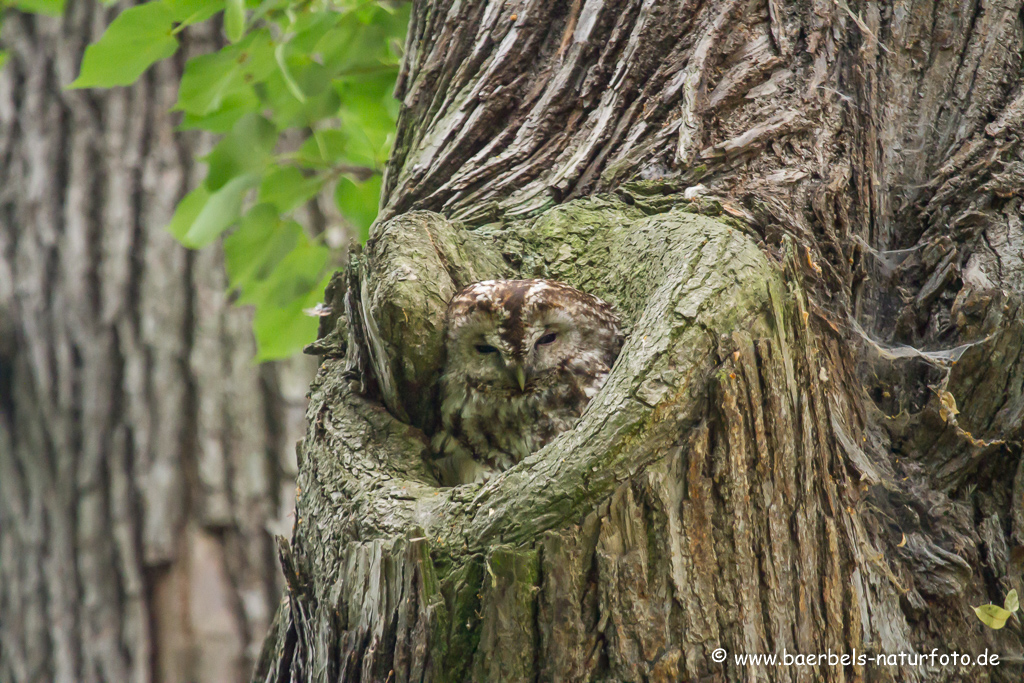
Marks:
<point>278,269</point>
<point>301,94</point>
<point>136,39</point>
<point>995,616</point>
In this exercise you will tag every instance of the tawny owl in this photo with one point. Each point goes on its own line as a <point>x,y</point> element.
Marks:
<point>524,357</point>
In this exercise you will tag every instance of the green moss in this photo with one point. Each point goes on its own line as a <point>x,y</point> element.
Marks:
<point>507,628</point>
<point>453,650</point>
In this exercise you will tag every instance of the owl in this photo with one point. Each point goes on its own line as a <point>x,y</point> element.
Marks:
<point>524,357</point>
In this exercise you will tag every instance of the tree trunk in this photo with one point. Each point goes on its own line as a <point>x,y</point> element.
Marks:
<point>809,216</point>
<point>144,462</point>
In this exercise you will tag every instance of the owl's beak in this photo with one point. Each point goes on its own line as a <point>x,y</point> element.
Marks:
<point>520,376</point>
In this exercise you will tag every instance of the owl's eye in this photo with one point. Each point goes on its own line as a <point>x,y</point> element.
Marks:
<point>546,339</point>
<point>484,348</point>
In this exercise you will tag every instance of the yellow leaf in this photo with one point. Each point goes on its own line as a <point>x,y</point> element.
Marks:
<point>947,407</point>
<point>1012,603</point>
<point>992,616</point>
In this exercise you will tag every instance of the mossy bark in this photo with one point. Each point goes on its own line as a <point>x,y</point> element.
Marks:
<point>710,496</point>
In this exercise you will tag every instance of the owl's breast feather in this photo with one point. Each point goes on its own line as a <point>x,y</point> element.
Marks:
<point>496,426</point>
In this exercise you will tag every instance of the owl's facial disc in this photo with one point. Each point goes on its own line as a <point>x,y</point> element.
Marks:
<point>512,368</point>
<point>549,336</point>
<point>521,336</point>
<point>499,356</point>
<point>483,350</point>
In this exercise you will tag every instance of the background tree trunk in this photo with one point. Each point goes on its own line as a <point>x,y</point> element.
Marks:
<point>144,462</point>
<point>777,462</point>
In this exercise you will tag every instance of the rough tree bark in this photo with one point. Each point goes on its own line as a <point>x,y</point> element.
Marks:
<point>809,213</point>
<point>142,457</point>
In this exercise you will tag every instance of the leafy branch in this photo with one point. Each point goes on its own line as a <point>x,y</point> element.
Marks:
<point>319,72</point>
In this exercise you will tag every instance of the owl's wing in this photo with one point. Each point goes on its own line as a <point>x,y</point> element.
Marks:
<point>454,463</point>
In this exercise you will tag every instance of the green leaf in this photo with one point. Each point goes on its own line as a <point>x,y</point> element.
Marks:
<point>252,251</point>
<point>286,188</point>
<point>138,37</point>
<point>296,283</point>
<point>245,149</point>
<point>354,44</point>
<point>326,70</point>
<point>233,107</point>
<point>188,12</point>
<point>296,274</point>
<point>311,77</point>
<point>51,8</point>
<point>3,58</point>
<point>367,142</point>
<point>220,211</point>
<point>992,616</point>
<point>358,202</point>
<point>282,332</point>
<point>210,79</point>
<point>187,211</point>
<point>234,20</point>
<point>320,103</point>
<point>263,8</point>
<point>324,148</point>
<point>311,28</point>
<point>293,86</point>
<point>1012,603</point>
<point>321,107</point>
<point>368,117</point>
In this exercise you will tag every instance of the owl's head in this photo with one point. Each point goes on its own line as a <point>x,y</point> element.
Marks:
<point>515,334</point>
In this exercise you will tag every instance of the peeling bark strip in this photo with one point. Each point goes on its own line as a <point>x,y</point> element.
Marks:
<point>141,455</point>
